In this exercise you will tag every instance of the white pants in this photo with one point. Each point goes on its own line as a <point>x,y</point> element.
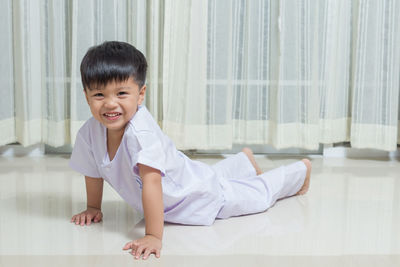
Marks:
<point>245,192</point>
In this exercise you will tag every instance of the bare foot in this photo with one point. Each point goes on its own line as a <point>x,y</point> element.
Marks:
<point>306,184</point>
<point>250,155</point>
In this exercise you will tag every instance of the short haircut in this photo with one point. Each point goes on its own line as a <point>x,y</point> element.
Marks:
<point>113,61</point>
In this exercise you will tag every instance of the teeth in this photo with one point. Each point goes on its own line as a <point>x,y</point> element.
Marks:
<point>111,114</point>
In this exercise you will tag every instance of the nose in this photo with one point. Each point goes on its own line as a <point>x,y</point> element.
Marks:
<point>110,102</point>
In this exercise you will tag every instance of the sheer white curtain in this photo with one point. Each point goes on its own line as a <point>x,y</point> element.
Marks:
<point>285,73</point>
<point>221,72</point>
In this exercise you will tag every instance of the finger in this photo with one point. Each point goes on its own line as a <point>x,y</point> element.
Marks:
<point>98,217</point>
<point>127,246</point>
<point>133,252</point>
<point>135,246</point>
<point>146,253</point>
<point>89,219</point>
<point>77,219</point>
<point>157,253</point>
<point>73,218</point>
<point>83,218</point>
<point>132,245</point>
<point>139,252</point>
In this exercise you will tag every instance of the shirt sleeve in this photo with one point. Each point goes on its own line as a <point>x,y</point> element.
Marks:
<point>151,152</point>
<point>82,159</point>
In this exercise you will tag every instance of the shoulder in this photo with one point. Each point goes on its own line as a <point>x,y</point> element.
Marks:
<point>143,130</point>
<point>143,121</point>
<point>88,129</point>
<point>89,125</point>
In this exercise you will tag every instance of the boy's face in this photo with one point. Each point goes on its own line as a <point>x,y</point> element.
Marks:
<point>115,104</point>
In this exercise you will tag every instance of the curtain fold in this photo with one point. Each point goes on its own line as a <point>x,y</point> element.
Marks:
<point>185,96</point>
<point>221,72</point>
<point>334,70</point>
<point>7,107</point>
<point>28,70</point>
<point>295,95</point>
<point>154,46</point>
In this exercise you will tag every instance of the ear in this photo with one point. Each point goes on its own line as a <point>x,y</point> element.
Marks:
<point>142,94</point>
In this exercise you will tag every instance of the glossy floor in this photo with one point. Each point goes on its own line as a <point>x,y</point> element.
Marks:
<point>350,217</point>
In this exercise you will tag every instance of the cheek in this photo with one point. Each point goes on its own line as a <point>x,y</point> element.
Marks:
<point>95,108</point>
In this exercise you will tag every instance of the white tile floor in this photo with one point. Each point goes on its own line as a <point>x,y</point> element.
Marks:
<point>350,217</point>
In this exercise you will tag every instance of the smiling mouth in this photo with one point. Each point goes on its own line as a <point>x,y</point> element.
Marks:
<point>112,116</point>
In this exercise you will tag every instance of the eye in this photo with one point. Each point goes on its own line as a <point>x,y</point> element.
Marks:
<point>122,93</point>
<point>98,95</point>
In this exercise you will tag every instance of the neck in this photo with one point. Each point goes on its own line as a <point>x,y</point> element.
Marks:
<point>115,135</point>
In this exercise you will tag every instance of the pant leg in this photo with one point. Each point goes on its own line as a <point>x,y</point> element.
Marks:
<point>258,193</point>
<point>237,166</point>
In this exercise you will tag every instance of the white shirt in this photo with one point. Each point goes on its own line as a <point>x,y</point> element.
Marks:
<point>191,191</point>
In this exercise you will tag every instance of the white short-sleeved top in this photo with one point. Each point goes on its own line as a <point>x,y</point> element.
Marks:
<point>191,191</point>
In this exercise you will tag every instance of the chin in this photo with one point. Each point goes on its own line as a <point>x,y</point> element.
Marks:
<point>116,127</point>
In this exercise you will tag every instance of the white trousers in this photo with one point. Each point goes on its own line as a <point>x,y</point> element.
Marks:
<point>245,192</point>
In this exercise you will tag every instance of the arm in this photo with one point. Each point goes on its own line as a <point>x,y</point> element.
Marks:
<point>94,192</point>
<point>94,195</point>
<point>153,205</point>
<point>153,208</point>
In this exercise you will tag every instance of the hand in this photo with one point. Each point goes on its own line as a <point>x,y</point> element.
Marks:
<point>146,246</point>
<point>87,216</point>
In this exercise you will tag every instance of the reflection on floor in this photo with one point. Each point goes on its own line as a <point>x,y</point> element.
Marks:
<point>350,217</point>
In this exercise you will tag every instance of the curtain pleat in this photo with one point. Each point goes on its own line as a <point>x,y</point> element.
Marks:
<point>333,70</point>
<point>186,97</point>
<point>154,47</point>
<point>28,70</point>
<point>7,116</point>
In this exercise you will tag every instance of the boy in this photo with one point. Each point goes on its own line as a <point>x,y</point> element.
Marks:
<point>123,145</point>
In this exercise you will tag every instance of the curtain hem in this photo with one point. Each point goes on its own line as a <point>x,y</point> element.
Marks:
<point>7,134</point>
<point>374,136</point>
<point>199,136</point>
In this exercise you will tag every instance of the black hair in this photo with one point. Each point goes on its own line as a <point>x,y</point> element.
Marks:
<point>113,61</point>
